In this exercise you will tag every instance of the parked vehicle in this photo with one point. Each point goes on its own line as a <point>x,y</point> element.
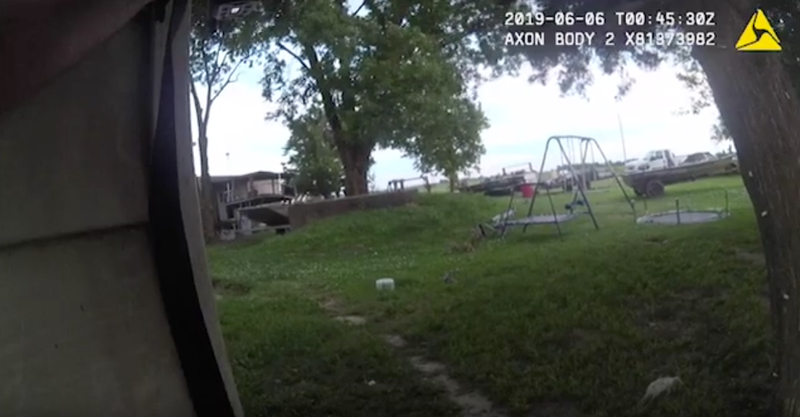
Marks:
<point>653,160</point>
<point>699,158</point>
<point>651,183</point>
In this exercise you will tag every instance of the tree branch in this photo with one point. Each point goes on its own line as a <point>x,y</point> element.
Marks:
<point>213,72</point>
<point>359,8</point>
<point>208,104</point>
<point>218,63</point>
<point>295,56</point>
<point>232,77</point>
<point>204,55</point>
<point>198,109</point>
<point>328,104</point>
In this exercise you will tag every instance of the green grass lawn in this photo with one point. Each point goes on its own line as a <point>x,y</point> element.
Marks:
<point>536,324</point>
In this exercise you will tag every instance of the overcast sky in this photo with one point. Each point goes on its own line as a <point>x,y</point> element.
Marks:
<point>521,115</point>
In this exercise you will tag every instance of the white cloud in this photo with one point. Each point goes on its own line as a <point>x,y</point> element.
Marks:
<point>522,117</point>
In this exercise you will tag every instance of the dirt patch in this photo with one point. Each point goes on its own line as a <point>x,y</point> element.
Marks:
<point>427,367</point>
<point>656,239</point>
<point>224,288</point>
<point>353,320</point>
<point>334,306</point>
<point>472,403</point>
<point>331,305</point>
<point>395,341</point>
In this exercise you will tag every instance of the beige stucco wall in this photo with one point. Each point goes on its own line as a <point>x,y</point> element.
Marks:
<point>82,328</point>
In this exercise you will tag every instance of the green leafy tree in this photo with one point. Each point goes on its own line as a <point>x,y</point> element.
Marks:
<point>313,162</point>
<point>461,121</point>
<point>381,70</point>
<point>217,51</point>
<point>759,106</point>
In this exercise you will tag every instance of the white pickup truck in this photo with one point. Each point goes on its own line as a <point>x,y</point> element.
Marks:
<point>648,176</point>
<point>653,160</point>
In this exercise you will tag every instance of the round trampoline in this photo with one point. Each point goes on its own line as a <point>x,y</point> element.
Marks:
<point>539,219</point>
<point>675,217</point>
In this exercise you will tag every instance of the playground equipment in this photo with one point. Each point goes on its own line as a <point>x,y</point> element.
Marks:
<point>685,215</point>
<point>399,184</point>
<point>578,205</point>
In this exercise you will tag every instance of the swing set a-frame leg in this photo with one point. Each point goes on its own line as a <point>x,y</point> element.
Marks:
<point>579,181</point>
<point>547,189</point>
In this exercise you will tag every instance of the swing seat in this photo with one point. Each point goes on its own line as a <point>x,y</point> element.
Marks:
<point>572,205</point>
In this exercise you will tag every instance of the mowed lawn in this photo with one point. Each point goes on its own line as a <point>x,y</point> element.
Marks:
<point>535,325</point>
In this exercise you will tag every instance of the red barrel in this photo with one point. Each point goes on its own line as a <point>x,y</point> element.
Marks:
<point>527,190</point>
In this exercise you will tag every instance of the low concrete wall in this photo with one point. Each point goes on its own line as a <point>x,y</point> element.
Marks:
<point>304,213</point>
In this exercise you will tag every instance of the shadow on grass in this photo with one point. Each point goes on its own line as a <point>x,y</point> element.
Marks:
<point>289,361</point>
<point>586,320</point>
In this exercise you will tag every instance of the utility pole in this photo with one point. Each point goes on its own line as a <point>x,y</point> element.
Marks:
<point>622,138</point>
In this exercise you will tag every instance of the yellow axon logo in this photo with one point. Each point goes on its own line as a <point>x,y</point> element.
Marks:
<point>758,35</point>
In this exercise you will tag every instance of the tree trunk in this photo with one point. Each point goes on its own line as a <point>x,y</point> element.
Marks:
<point>759,106</point>
<point>208,210</point>
<point>453,180</point>
<point>355,160</point>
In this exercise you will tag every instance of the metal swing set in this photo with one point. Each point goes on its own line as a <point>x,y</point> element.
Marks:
<point>579,205</point>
